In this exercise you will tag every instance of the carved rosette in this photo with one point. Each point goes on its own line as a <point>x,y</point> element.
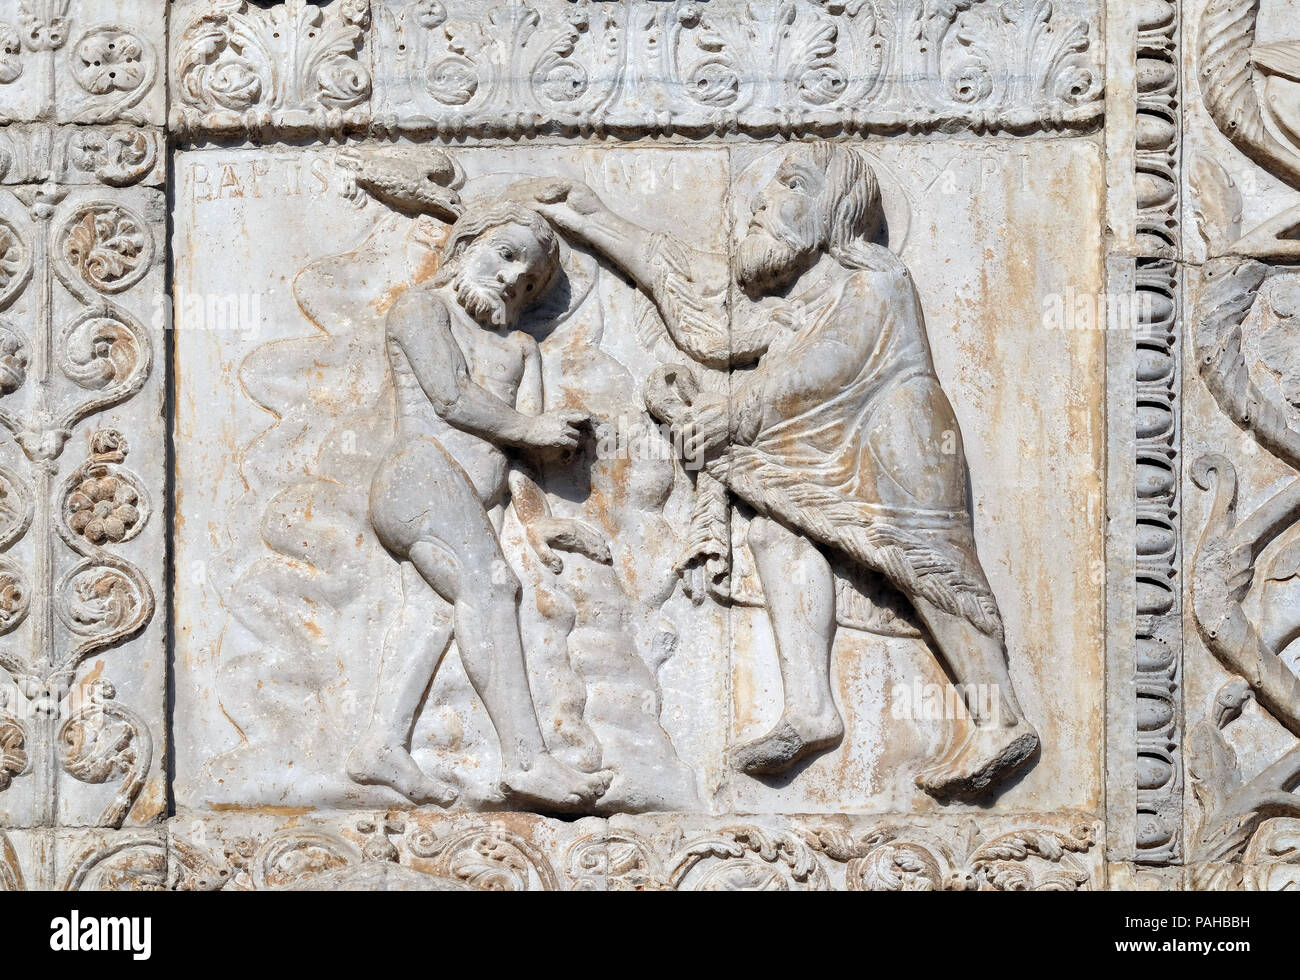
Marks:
<point>118,157</point>
<point>103,598</point>
<point>107,246</point>
<point>77,69</point>
<point>116,66</point>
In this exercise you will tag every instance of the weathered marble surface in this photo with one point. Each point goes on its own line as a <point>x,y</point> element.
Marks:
<point>501,346</point>
<point>82,220</point>
<point>714,693</point>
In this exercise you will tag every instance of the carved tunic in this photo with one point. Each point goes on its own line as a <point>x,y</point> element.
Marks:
<point>853,441</point>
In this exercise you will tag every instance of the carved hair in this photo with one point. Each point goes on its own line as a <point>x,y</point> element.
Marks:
<point>852,203</point>
<point>476,222</point>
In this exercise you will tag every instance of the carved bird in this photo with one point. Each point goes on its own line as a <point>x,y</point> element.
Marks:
<point>1230,701</point>
<point>413,184</point>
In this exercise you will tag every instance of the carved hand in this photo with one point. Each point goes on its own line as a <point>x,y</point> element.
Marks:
<point>549,534</point>
<point>560,429</point>
<point>702,427</point>
<point>702,566</point>
<point>570,204</point>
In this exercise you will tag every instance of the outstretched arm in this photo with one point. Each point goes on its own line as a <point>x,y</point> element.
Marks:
<point>421,327</point>
<point>675,276</point>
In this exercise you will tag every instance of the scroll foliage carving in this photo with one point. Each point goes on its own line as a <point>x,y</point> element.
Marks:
<point>888,857</point>
<point>244,62</point>
<point>630,69</point>
<point>49,382</point>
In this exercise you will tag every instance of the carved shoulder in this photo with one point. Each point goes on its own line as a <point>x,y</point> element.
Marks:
<point>415,312</point>
<point>887,275</point>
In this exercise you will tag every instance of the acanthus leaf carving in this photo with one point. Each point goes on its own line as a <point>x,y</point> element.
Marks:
<point>107,245</point>
<point>487,859</point>
<point>887,857</point>
<point>253,61</point>
<point>629,69</point>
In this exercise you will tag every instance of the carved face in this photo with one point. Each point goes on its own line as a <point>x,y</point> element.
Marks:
<point>502,273</point>
<point>787,227</point>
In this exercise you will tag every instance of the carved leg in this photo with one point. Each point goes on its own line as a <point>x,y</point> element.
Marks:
<point>486,605</point>
<point>413,649</point>
<point>438,522</point>
<point>1001,740</point>
<point>800,592</point>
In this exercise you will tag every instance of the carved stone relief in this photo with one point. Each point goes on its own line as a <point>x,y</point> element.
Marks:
<point>1242,744</point>
<point>83,655</point>
<point>649,444</point>
<point>656,644</point>
<point>592,68</point>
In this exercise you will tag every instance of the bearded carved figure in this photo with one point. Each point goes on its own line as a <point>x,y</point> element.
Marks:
<point>835,434</point>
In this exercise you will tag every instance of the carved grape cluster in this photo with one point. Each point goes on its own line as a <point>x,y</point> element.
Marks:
<point>103,509</point>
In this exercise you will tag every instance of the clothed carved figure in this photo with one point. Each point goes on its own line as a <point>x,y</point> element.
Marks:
<point>836,433</point>
<point>468,389</point>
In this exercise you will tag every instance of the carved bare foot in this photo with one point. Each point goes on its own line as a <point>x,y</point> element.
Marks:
<point>551,785</point>
<point>940,763</point>
<point>988,756</point>
<point>792,739</point>
<point>373,762</point>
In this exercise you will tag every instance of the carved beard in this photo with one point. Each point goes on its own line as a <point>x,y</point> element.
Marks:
<point>482,300</point>
<point>770,259</point>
